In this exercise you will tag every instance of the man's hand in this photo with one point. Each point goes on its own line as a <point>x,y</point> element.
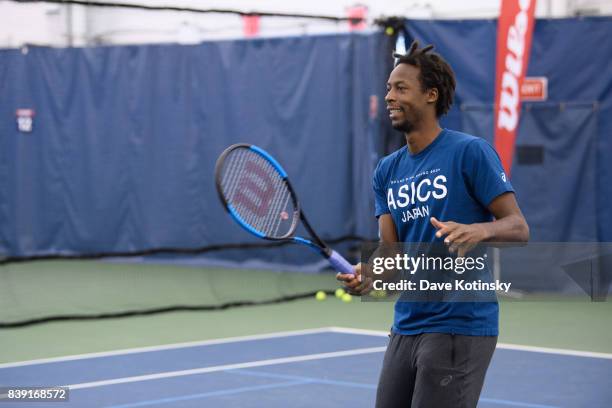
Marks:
<point>354,284</point>
<point>460,238</point>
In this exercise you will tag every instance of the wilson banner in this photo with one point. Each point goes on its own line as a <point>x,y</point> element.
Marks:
<point>514,33</point>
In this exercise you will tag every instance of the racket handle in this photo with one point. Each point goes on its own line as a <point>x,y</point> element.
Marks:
<point>340,264</point>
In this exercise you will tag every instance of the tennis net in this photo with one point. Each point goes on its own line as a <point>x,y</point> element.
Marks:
<point>53,290</point>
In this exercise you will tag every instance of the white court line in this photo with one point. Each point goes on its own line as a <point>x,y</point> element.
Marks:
<point>549,350</point>
<point>504,346</point>
<point>348,330</point>
<point>345,330</point>
<point>203,370</point>
<point>167,347</point>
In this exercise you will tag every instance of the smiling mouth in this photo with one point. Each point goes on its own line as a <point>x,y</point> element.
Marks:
<point>394,111</point>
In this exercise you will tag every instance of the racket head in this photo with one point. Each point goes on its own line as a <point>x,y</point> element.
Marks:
<point>254,189</point>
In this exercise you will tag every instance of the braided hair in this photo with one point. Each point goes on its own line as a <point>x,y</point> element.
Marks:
<point>435,72</point>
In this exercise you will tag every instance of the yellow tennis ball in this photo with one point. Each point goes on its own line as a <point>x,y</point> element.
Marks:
<point>320,295</point>
<point>340,292</point>
<point>379,294</point>
<point>389,31</point>
<point>347,298</point>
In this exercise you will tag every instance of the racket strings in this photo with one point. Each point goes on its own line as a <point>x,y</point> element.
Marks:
<point>278,207</point>
<point>267,224</point>
<point>284,208</point>
<point>257,192</point>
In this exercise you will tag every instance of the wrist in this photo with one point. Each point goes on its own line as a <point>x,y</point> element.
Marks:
<point>485,232</point>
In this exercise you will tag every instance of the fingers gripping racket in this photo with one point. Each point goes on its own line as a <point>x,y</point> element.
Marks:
<point>257,193</point>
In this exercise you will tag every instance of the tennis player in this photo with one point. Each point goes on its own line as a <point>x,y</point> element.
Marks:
<point>443,186</point>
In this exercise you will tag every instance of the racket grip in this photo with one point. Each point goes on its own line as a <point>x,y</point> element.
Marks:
<point>340,264</point>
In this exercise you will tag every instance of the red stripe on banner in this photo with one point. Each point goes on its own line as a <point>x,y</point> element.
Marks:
<point>357,15</point>
<point>250,24</point>
<point>514,33</point>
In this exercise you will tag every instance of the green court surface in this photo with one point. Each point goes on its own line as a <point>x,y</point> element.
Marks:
<point>581,326</point>
<point>577,325</point>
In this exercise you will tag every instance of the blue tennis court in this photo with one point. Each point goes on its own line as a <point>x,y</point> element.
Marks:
<point>327,367</point>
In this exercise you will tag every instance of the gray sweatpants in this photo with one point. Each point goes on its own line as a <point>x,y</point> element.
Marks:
<point>435,370</point>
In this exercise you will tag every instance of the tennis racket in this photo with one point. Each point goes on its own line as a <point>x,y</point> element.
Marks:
<point>256,192</point>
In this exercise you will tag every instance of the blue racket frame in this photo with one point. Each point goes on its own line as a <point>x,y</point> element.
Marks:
<point>337,261</point>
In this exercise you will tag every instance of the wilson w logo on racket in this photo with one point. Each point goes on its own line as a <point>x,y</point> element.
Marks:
<point>257,193</point>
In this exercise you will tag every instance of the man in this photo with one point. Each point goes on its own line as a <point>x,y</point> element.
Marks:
<point>444,186</point>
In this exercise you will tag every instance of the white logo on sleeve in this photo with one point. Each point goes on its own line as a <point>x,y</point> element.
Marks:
<point>503,177</point>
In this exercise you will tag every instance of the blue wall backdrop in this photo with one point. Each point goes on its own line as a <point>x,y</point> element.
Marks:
<point>125,139</point>
<point>567,197</point>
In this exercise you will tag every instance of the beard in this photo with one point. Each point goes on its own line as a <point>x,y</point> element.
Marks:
<point>411,120</point>
<point>406,126</point>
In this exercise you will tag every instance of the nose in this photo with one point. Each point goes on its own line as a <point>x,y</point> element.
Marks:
<point>389,96</point>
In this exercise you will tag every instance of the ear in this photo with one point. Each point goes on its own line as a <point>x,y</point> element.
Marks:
<point>432,95</point>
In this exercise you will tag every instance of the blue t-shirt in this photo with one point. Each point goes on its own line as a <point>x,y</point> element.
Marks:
<point>455,178</point>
